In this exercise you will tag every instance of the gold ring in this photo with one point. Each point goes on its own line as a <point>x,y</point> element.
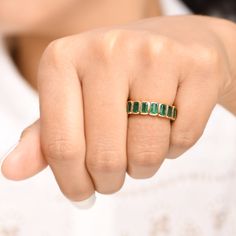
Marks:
<point>152,109</point>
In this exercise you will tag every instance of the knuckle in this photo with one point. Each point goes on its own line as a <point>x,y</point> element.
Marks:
<point>66,53</point>
<point>55,51</point>
<point>184,140</point>
<point>106,161</point>
<point>149,149</point>
<point>145,158</point>
<point>61,150</point>
<point>206,56</point>
<point>54,57</point>
<point>111,42</point>
<point>113,35</point>
<point>123,40</point>
<point>160,46</point>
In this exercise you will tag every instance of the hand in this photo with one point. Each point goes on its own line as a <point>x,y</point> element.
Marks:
<point>84,82</point>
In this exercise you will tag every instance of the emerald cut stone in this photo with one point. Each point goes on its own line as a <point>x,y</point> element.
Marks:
<point>144,108</point>
<point>175,113</point>
<point>129,107</point>
<point>136,107</point>
<point>154,109</point>
<point>162,111</point>
<point>169,111</point>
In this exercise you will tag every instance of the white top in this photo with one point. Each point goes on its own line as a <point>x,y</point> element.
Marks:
<point>194,195</point>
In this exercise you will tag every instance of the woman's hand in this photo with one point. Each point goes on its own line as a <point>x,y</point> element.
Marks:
<point>85,81</point>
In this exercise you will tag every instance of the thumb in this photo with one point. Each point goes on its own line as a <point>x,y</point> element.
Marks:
<point>26,159</point>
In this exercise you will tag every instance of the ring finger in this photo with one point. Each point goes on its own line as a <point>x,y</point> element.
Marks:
<point>148,136</point>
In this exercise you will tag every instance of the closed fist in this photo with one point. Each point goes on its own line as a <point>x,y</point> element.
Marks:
<point>84,82</point>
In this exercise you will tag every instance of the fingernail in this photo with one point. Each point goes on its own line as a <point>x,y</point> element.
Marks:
<point>85,204</point>
<point>9,151</point>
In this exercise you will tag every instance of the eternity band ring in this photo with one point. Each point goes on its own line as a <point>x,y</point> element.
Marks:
<point>152,109</point>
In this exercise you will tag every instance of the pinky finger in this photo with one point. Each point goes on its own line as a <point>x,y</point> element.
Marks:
<point>195,102</point>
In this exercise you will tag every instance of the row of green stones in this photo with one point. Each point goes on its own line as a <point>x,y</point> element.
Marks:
<point>152,108</point>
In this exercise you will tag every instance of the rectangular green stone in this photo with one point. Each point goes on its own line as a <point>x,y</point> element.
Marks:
<point>162,111</point>
<point>144,108</point>
<point>175,113</point>
<point>169,111</point>
<point>129,107</point>
<point>153,109</point>
<point>136,107</point>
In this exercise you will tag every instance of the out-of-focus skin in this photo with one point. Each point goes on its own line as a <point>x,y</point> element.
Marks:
<point>34,24</point>
<point>57,18</point>
<point>85,80</point>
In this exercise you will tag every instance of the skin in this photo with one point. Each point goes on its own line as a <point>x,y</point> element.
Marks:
<point>84,81</point>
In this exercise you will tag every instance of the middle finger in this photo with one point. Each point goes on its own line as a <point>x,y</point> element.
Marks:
<point>105,95</point>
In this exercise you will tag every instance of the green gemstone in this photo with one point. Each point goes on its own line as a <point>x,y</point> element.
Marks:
<point>154,108</point>
<point>129,107</point>
<point>136,107</point>
<point>144,108</point>
<point>169,111</point>
<point>175,113</point>
<point>162,110</point>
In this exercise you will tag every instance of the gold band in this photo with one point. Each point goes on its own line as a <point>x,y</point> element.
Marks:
<point>152,109</point>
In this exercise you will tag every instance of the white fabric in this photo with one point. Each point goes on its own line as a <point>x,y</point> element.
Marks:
<point>174,7</point>
<point>194,195</point>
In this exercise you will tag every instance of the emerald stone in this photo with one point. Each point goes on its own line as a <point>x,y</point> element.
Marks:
<point>144,108</point>
<point>129,107</point>
<point>175,113</point>
<point>169,111</point>
<point>136,107</point>
<point>154,108</point>
<point>162,111</point>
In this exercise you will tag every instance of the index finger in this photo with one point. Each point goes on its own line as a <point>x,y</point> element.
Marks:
<point>62,122</point>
